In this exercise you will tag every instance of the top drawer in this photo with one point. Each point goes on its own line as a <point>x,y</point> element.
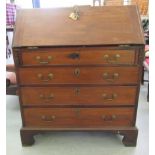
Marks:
<point>77,56</point>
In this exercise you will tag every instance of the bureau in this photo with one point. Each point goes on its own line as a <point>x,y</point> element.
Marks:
<point>79,69</point>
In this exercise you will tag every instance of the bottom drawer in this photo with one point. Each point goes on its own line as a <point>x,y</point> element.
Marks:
<point>78,117</point>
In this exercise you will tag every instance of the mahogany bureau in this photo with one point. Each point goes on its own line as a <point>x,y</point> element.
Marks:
<point>79,69</point>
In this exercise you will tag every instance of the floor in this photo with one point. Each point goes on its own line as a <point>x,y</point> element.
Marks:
<point>75,143</point>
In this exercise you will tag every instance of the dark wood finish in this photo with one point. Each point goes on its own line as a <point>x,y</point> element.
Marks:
<point>107,95</point>
<point>130,137</point>
<point>110,25</point>
<point>131,140</point>
<point>87,75</point>
<point>81,75</point>
<point>77,56</point>
<point>142,77</point>
<point>27,138</point>
<point>78,117</point>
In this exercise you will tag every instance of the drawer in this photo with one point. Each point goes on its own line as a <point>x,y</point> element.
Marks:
<point>78,75</point>
<point>110,96</point>
<point>78,117</point>
<point>82,56</point>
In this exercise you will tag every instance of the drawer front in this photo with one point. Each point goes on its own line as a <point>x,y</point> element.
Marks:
<point>79,75</point>
<point>75,56</point>
<point>110,96</point>
<point>76,117</point>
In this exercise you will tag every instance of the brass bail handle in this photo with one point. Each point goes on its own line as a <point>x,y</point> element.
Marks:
<point>113,59</point>
<point>109,97</point>
<point>51,96</point>
<point>110,77</point>
<point>109,118</point>
<point>42,78</point>
<point>48,118</point>
<point>49,58</point>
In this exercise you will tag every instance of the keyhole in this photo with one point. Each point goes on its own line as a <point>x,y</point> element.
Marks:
<point>77,72</point>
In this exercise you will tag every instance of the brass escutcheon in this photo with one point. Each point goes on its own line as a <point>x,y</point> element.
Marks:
<point>75,55</point>
<point>77,72</point>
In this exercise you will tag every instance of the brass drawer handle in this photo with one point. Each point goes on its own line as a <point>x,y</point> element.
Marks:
<point>110,78</point>
<point>109,97</point>
<point>38,58</point>
<point>51,96</point>
<point>74,55</point>
<point>77,72</point>
<point>109,118</point>
<point>113,59</point>
<point>48,118</point>
<point>42,78</point>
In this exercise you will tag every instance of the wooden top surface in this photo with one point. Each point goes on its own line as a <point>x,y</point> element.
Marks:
<point>106,25</point>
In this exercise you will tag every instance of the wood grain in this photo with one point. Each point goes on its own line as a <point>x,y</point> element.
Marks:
<point>52,27</point>
<point>40,96</point>
<point>68,76</point>
<point>77,56</point>
<point>87,75</point>
<point>76,117</point>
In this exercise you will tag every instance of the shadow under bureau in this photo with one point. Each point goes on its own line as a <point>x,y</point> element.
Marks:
<point>79,74</point>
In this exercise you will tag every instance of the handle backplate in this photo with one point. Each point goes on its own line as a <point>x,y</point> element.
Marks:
<point>41,61</point>
<point>110,77</point>
<point>109,97</point>
<point>111,59</point>
<point>48,78</point>
<point>109,117</point>
<point>48,118</point>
